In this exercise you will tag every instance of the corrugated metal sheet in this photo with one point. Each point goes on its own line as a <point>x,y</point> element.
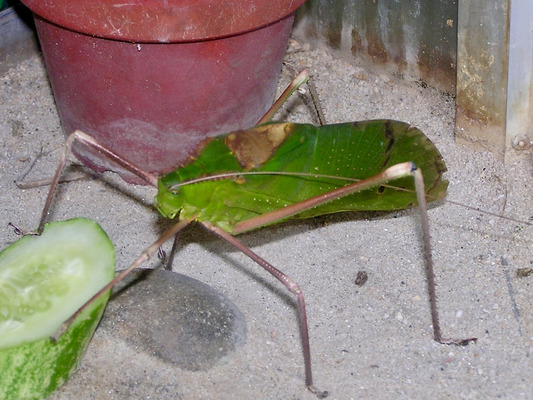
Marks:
<point>520,86</point>
<point>413,39</point>
<point>482,50</point>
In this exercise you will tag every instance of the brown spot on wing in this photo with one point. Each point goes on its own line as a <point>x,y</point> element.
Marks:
<point>197,151</point>
<point>255,146</point>
<point>389,135</point>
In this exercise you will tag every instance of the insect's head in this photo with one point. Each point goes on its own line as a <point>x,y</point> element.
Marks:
<point>168,200</point>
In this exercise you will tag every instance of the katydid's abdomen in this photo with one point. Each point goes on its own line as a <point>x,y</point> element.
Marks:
<point>352,150</point>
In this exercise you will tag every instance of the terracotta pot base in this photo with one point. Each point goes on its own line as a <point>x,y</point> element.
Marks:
<point>150,102</point>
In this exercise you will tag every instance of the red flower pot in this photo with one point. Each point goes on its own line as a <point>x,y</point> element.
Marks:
<point>151,79</point>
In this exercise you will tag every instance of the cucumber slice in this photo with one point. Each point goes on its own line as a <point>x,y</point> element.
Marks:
<point>43,281</point>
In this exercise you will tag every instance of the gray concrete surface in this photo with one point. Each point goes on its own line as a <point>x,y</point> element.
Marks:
<point>369,342</point>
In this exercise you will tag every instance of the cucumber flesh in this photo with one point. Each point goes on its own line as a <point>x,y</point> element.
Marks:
<point>43,281</point>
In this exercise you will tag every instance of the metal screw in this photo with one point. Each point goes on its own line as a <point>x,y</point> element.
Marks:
<point>521,142</point>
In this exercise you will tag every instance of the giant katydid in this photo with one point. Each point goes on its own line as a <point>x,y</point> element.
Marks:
<point>238,178</point>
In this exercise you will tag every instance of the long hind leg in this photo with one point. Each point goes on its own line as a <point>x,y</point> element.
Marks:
<point>293,288</point>
<point>394,172</point>
<point>301,78</point>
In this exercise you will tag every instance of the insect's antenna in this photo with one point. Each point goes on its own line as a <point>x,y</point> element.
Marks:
<point>429,197</point>
<point>518,221</point>
<point>233,175</point>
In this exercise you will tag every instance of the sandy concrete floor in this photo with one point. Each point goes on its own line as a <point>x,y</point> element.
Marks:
<point>369,342</point>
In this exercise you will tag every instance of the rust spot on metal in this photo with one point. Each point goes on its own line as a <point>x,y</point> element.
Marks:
<point>376,49</point>
<point>333,36</point>
<point>357,43</point>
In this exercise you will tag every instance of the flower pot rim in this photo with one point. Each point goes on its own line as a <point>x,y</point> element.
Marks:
<point>158,21</point>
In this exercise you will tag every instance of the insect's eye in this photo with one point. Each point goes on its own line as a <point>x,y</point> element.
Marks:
<point>174,189</point>
<point>381,189</point>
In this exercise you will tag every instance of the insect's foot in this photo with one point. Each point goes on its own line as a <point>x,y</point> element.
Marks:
<point>458,342</point>
<point>318,393</point>
<point>20,232</point>
<point>162,255</point>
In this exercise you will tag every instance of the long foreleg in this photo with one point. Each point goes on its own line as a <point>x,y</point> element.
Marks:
<point>145,256</point>
<point>292,287</point>
<point>87,140</point>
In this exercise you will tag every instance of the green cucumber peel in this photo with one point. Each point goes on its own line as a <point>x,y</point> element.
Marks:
<point>43,281</point>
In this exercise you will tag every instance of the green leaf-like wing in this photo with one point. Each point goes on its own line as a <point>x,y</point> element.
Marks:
<point>354,150</point>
